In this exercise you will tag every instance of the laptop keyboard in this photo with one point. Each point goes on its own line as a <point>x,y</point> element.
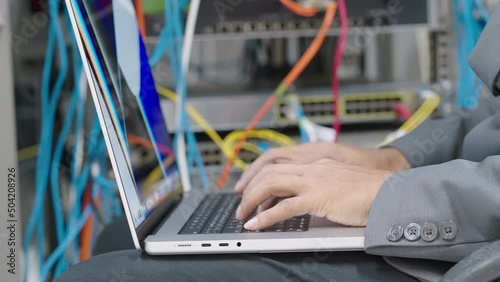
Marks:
<point>216,214</point>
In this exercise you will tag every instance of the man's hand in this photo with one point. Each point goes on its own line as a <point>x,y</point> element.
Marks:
<point>383,159</point>
<point>340,192</point>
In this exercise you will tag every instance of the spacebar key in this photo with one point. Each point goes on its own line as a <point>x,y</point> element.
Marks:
<point>190,230</point>
<point>233,229</point>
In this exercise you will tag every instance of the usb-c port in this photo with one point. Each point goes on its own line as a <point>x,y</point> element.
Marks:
<point>206,245</point>
<point>223,245</point>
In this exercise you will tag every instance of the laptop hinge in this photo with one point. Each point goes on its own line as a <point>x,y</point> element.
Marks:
<point>154,221</point>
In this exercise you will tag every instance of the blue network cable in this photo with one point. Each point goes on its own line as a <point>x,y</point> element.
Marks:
<point>54,176</point>
<point>108,188</point>
<point>58,152</point>
<point>101,180</point>
<point>93,154</point>
<point>162,46</point>
<point>174,11</point>
<point>49,99</point>
<point>165,38</point>
<point>303,134</point>
<point>483,11</point>
<point>72,234</point>
<point>191,139</point>
<point>468,30</point>
<point>49,162</point>
<point>95,147</point>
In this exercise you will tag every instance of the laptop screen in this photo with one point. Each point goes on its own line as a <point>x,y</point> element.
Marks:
<point>119,60</point>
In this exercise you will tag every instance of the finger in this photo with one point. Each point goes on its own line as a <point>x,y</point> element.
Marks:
<point>272,186</point>
<point>274,169</point>
<point>256,166</point>
<point>267,204</point>
<point>283,210</point>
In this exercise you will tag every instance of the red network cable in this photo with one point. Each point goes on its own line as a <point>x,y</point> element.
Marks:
<point>402,111</point>
<point>337,61</point>
<point>143,142</point>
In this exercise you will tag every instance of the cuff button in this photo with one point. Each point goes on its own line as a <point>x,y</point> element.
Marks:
<point>448,230</point>
<point>429,232</point>
<point>395,233</point>
<point>412,232</point>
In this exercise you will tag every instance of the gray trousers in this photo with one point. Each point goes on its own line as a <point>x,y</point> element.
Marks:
<point>115,260</point>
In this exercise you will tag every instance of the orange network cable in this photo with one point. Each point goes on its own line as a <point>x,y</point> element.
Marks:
<point>88,228</point>
<point>298,9</point>
<point>140,17</point>
<point>313,48</point>
<point>282,88</point>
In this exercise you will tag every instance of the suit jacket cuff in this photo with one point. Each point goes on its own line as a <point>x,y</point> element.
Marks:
<point>434,141</point>
<point>462,192</point>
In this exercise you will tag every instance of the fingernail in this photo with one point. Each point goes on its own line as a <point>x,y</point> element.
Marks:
<point>252,223</point>
<point>238,212</point>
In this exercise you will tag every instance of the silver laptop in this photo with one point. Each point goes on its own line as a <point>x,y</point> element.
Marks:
<point>163,219</point>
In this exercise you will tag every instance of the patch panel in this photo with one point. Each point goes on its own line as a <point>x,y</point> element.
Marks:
<point>274,25</point>
<point>253,17</point>
<point>212,155</point>
<point>353,107</point>
<point>264,15</point>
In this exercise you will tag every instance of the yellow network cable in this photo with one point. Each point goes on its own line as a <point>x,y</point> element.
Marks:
<point>156,174</point>
<point>265,134</point>
<point>227,145</point>
<point>430,104</point>
<point>27,153</point>
<point>201,122</point>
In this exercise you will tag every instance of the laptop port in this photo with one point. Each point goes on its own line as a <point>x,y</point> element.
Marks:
<point>206,245</point>
<point>223,245</point>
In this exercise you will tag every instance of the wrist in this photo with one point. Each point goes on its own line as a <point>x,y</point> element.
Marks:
<point>391,159</point>
<point>372,192</point>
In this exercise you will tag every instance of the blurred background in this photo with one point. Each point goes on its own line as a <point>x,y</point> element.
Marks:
<point>382,69</point>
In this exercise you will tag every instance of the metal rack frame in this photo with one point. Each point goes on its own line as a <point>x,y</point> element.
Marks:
<point>232,110</point>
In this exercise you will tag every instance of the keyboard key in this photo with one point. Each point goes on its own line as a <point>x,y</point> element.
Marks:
<point>252,231</point>
<point>273,229</point>
<point>232,229</point>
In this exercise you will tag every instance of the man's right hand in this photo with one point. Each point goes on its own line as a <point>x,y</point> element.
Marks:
<point>388,159</point>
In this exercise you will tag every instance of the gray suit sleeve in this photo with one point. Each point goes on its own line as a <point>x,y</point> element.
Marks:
<point>440,140</point>
<point>434,141</point>
<point>460,194</point>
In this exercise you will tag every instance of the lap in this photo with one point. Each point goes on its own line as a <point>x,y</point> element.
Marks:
<point>115,260</point>
<point>134,265</point>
